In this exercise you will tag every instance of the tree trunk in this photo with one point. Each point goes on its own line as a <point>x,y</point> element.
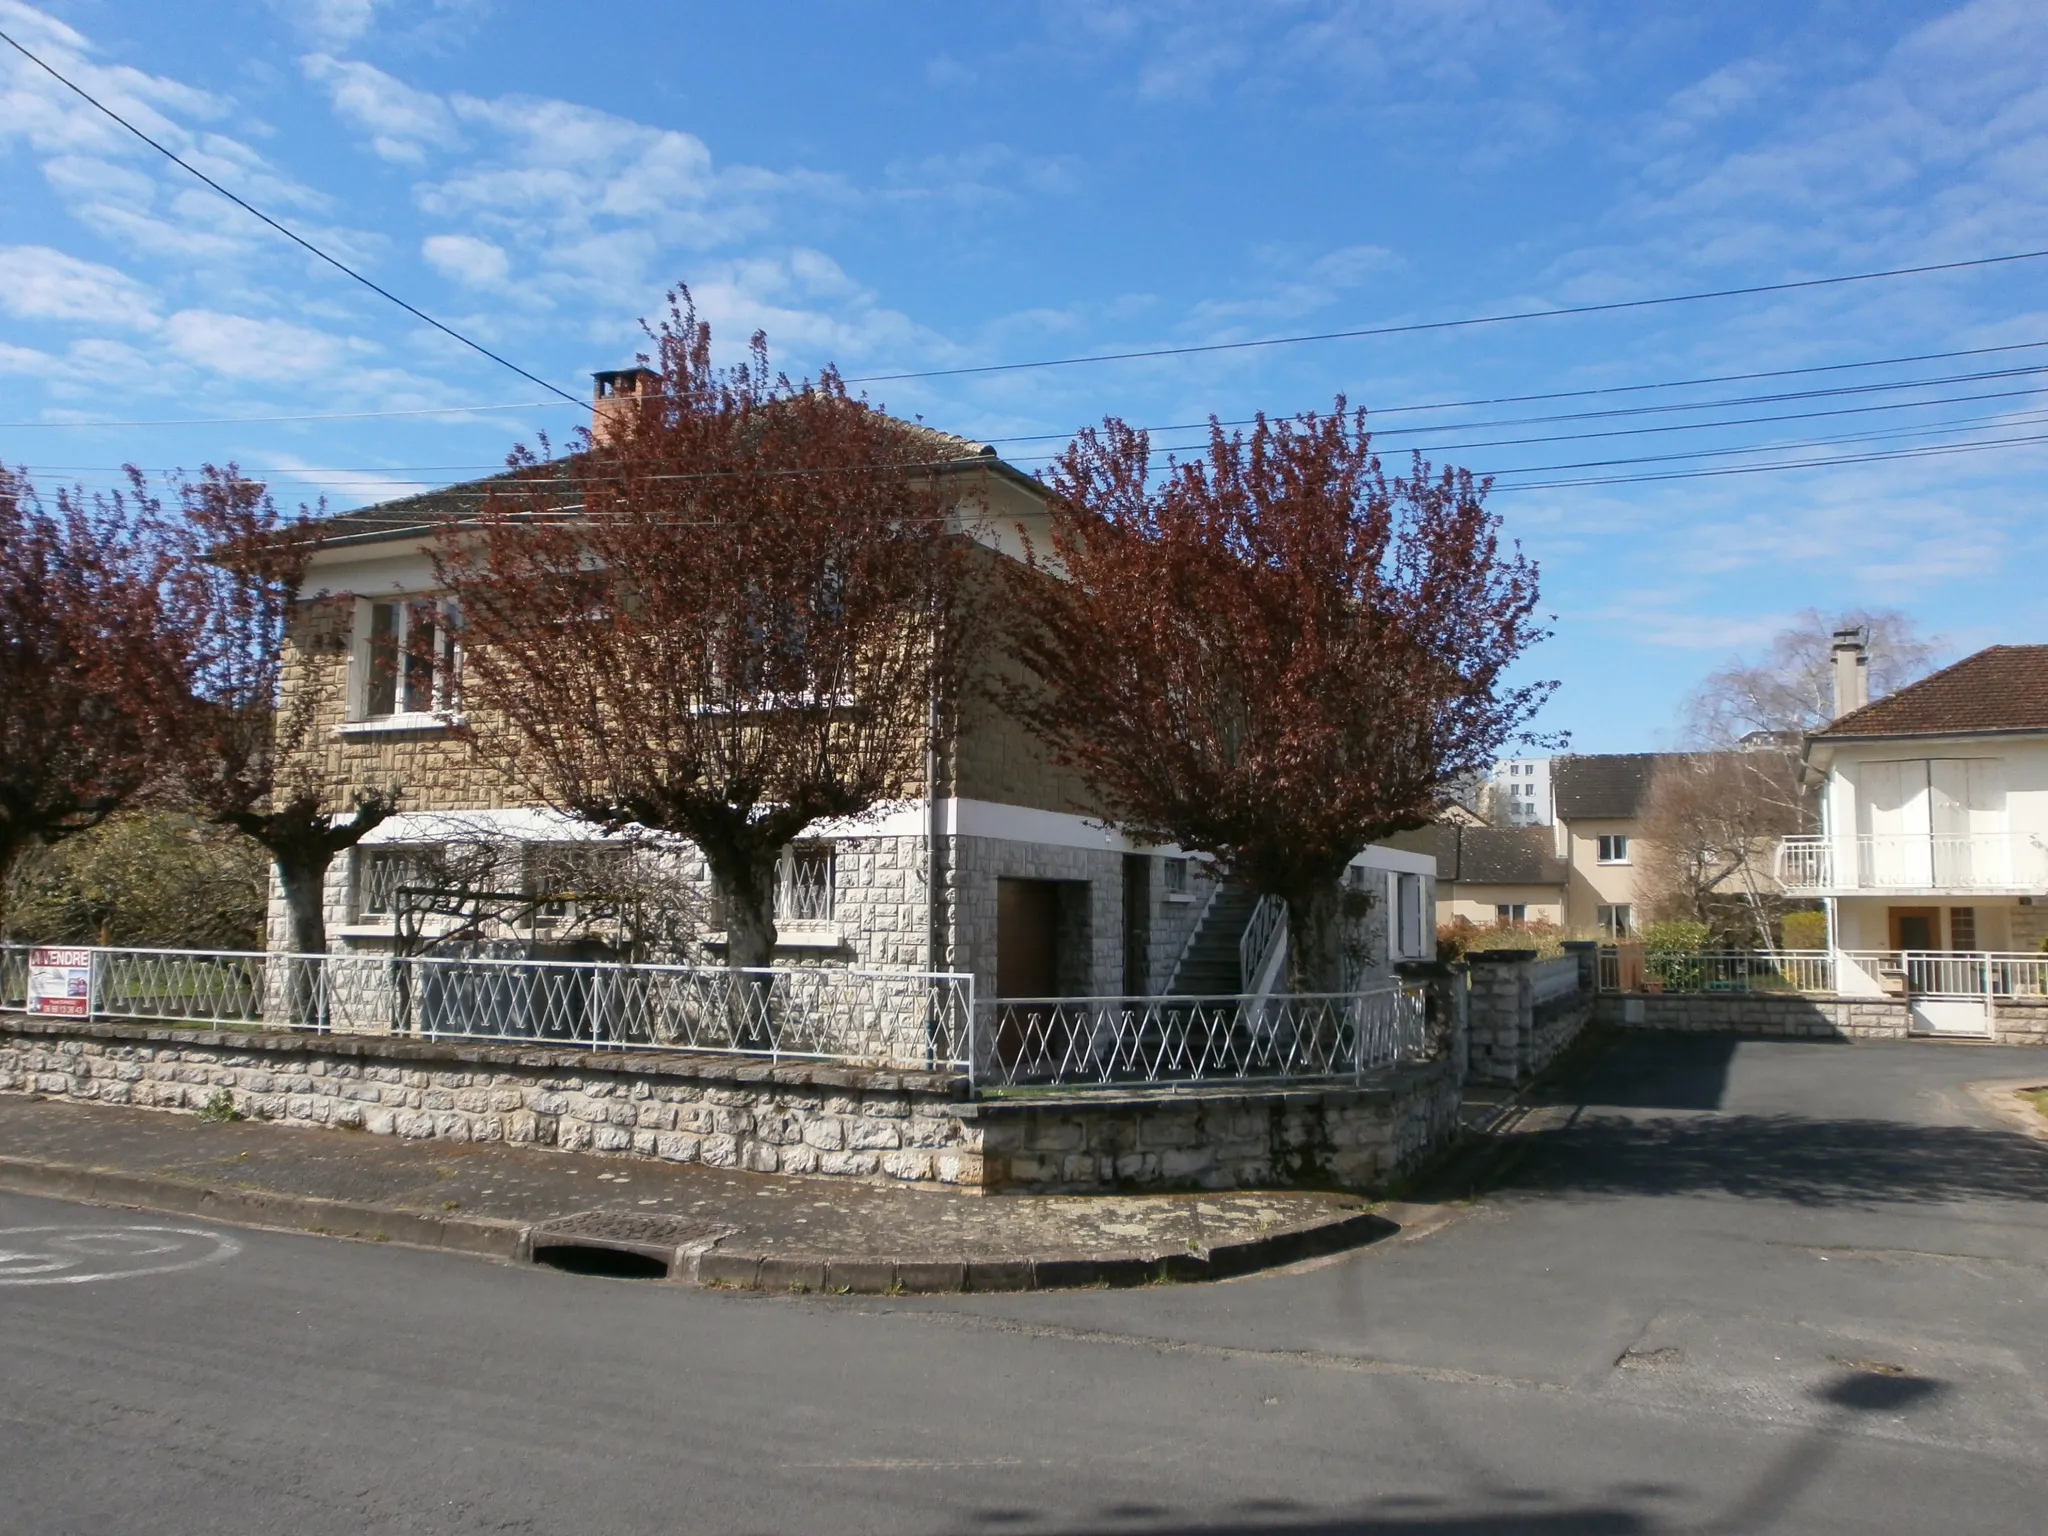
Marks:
<point>303,875</point>
<point>1315,942</point>
<point>746,881</point>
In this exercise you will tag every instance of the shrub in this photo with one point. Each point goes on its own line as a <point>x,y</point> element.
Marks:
<point>1805,930</point>
<point>142,879</point>
<point>1675,937</point>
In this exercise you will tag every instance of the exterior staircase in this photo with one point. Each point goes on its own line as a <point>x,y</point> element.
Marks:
<point>1209,968</point>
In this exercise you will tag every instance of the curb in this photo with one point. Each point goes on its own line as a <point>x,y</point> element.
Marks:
<point>263,1208</point>
<point>698,1263</point>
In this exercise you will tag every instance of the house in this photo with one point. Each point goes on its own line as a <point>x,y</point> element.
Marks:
<point>1597,809</point>
<point>1000,869</point>
<point>1932,856</point>
<point>1492,875</point>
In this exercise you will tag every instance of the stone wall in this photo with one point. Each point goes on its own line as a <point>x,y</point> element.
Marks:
<point>1771,1015</point>
<point>1092,937</point>
<point>1353,1137</point>
<point>1519,1017</point>
<point>2016,1022</point>
<point>738,1112</point>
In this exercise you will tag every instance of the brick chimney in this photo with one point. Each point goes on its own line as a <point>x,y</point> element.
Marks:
<point>619,392</point>
<point>1852,669</point>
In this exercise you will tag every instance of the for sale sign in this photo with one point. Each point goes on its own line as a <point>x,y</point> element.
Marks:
<point>60,982</point>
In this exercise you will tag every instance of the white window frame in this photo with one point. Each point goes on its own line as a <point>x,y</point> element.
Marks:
<point>445,687</point>
<point>1616,921</point>
<point>1612,848</point>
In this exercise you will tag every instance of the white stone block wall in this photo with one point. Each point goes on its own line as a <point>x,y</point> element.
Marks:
<point>1092,950</point>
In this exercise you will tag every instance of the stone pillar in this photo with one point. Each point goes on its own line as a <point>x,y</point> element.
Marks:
<point>1501,1014</point>
<point>1587,954</point>
<point>1446,988</point>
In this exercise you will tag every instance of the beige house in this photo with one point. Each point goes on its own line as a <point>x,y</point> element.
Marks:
<point>1000,868</point>
<point>1492,875</point>
<point>1597,810</point>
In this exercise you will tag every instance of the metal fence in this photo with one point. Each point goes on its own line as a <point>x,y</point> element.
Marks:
<point>1718,970</point>
<point>1110,1041</point>
<point>1941,973</point>
<point>881,1018</point>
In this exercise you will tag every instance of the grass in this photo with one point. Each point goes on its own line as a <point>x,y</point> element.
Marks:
<point>2038,1097</point>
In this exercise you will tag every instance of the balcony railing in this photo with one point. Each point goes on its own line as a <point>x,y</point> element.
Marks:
<point>1914,862</point>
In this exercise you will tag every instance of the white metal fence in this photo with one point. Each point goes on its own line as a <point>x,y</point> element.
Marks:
<point>1108,1041</point>
<point>884,1018</point>
<point>1938,973</point>
<point>1719,970</point>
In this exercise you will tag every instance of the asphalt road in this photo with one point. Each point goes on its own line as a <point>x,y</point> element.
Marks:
<point>1757,1288</point>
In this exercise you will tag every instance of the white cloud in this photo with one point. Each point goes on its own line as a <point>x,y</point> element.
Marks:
<point>38,283</point>
<point>403,123</point>
<point>334,23</point>
<point>467,259</point>
<point>241,347</point>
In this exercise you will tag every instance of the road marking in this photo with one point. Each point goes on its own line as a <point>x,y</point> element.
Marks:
<point>81,1255</point>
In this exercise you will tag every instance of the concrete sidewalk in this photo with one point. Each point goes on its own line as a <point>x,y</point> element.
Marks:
<point>704,1225</point>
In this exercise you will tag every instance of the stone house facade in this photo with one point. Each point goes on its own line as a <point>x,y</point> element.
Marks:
<point>1000,870</point>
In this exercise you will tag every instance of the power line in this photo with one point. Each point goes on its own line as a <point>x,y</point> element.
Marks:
<point>1830,462</point>
<point>1414,327</point>
<point>295,238</point>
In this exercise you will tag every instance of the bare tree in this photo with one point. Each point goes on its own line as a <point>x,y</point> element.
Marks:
<point>1790,690</point>
<point>1707,832</point>
<point>746,625</point>
<point>1273,654</point>
<point>87,670</point>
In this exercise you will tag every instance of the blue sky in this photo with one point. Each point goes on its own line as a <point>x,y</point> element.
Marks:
<point>905,187</point>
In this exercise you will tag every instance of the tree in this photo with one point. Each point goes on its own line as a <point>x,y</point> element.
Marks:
<point>86,670</point>
<point>1273,654</point>
<point>1790,691</point>
<point>745,626</point>
<point>245,755</point>
<point>1708,827</point>
<point>155,878</point>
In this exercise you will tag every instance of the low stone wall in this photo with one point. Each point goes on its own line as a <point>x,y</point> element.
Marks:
<point>2019,1023</point>
<point>738,1112</point>
<point>1350,1137</point>
<point>1521,1013</point>
<point>1772,1015</point>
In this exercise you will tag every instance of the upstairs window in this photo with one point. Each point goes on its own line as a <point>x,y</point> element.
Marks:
<point>408,656</point>
<point>1614,848</point>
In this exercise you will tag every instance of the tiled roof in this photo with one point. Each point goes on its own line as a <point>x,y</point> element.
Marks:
<point>2001,688</point>
<point>1487,855</point>
<point>411,514</point>
<point>1605,785</point>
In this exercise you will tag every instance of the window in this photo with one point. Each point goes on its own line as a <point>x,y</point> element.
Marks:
<point>408,656</point>
<point>803,884</point>
<point>1613,848</point>
<point>1962,928</point>
<point>1173,876</point>
<point>1508,912</point>
<point>1408,915</point>
<point>382,872</point>
<point>1616,922</point>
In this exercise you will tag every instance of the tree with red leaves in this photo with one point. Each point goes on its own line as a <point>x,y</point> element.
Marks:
<point>728,618</point>
<point>88,673</point>
<point>244,752</point>
<point>1272,654</point>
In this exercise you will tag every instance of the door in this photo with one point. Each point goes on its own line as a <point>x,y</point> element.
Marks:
<point>1027,965</point>
<point>1916,928</point>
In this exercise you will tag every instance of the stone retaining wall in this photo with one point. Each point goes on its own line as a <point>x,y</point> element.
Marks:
<point>738,1112</point>
<point>1773,1015</point>
<point>1512,1035</point>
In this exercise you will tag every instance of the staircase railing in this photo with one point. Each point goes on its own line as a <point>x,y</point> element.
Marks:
<point>1262,947</point>
<point>1194,935</point>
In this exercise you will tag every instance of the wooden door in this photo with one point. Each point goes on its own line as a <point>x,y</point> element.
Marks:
<point>1916,928</point>
<point>1027,965</point>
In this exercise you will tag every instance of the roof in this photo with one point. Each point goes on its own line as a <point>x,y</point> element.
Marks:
<point>1488,855</point>
<point>1610,785</point>
<point>411,515</point>
<point>2000,688</point>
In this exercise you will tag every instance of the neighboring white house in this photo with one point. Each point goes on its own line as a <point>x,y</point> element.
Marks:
<point>1933,853</point>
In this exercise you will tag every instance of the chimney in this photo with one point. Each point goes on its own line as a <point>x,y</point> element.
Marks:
<point>1852,669</point>
<point>619,392</point>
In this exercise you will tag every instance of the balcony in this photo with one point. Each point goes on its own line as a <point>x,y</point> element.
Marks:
<point>1914,863</point>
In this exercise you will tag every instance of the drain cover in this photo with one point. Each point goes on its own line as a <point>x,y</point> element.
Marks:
<point>643,1232</point>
